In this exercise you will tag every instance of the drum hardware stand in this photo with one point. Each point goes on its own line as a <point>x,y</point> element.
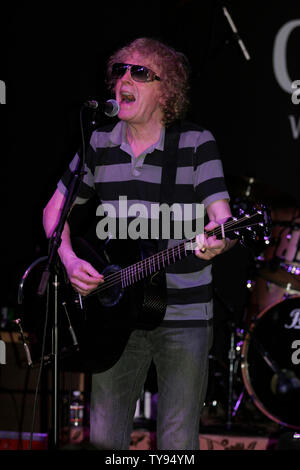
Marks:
<point>231,357</point>
<point>231,410</point>
<point>233,363</point>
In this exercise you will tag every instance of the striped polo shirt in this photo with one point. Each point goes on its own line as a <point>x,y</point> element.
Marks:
<point>114,174</point>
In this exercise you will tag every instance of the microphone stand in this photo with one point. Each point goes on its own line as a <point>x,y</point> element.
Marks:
<point>50,269</point>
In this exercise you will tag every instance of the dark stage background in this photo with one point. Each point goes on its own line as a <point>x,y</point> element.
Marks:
<point>53,59</point>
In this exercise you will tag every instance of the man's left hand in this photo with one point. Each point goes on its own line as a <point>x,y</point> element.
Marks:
<point>209,247</point>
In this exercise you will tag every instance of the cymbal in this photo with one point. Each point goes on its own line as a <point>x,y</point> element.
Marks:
<point>252,189</point>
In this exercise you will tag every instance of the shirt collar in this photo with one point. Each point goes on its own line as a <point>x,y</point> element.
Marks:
<point>118,137</point>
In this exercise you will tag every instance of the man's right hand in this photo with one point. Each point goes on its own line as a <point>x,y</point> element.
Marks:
<point>83,277</point>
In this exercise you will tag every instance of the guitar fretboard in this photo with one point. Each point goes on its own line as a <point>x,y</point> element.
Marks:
<point>154,263</point>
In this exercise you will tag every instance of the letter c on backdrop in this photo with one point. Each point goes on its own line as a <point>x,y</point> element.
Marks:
<point>280,55</point>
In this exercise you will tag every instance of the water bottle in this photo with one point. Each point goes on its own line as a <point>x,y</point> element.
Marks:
<point>142,416</point>
<point>76,417</point>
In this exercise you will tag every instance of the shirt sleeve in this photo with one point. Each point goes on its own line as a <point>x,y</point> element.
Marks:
<point>209,182</point>
<point>86,189</point>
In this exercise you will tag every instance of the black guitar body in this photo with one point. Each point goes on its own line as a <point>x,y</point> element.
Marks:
<point>103,331</point>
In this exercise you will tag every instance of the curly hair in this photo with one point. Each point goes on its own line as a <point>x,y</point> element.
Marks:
<point>174,74</point>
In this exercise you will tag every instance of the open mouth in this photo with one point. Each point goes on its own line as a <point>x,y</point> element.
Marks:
<point>127,97</point>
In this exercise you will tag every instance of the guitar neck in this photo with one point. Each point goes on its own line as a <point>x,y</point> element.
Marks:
<point>164,258</point>
<point>154,263</point>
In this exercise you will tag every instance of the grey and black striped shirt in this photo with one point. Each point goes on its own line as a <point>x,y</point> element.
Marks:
<point>112,171</point>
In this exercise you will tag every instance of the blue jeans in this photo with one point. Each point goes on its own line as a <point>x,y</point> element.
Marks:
<point>181,358</point>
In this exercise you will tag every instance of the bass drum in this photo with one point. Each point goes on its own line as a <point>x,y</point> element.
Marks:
<point>270,362</point>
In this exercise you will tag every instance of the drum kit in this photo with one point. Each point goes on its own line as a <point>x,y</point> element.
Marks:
<point>267,346</point>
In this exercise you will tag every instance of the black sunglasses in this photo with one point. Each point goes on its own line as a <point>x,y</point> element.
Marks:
<point>139,73</point>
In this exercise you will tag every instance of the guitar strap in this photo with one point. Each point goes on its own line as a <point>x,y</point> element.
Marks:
<point>170,163</point>
<point>155,299</point>
<point>169,168</point>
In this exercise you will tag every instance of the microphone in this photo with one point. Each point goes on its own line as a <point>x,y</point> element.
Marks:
<point>110,107</point>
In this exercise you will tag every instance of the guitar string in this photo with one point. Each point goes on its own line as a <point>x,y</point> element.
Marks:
<point>161,257</point>
<point>133,273</point>
<point>116,278</point>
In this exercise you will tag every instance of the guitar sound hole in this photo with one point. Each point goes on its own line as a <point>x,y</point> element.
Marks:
<point>113,291</point>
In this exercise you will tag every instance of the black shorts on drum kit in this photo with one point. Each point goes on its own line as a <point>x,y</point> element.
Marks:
<point>270,348</point>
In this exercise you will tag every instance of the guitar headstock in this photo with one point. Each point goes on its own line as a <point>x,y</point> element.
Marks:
<point>251,225</point>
